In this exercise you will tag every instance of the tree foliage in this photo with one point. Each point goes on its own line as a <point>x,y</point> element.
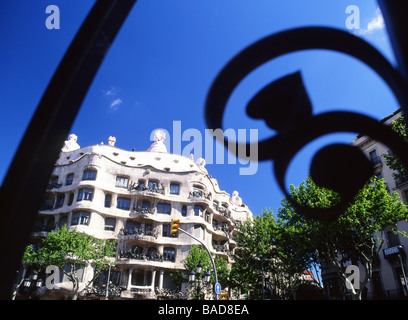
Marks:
<point>400,172</point>
<point>76,249</point>
<point>196,255</point>
<point>292,243</point>
<point>267,243</point>
<point>358,234</point>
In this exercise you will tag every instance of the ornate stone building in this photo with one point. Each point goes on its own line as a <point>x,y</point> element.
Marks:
<point>131,197</point>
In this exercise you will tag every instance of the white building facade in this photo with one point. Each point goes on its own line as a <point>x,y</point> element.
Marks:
<point>389,273</point>
<point>131,197</point>
<point>390,269</point>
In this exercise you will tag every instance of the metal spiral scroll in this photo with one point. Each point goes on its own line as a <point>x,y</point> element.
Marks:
<point>285,107</point>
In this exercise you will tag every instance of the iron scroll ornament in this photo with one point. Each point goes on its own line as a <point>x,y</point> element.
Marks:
<point>285,107</point>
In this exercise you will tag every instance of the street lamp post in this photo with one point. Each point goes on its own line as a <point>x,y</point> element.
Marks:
<point>263,278</point>
<point>32,284</point>
<point>204,279</point>
<point>107,283</point>
<point>208,251</point>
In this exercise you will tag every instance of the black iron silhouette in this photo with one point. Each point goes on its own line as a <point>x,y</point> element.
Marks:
<point>23,187</point>
<point>285,107</point>
<point>61,102</point>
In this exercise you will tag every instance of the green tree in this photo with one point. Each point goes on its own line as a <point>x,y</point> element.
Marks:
<point>196,255</point>
<point>74,249</point>
<point>400,174</point>
<point>267,243</point>
<point>358,234</point>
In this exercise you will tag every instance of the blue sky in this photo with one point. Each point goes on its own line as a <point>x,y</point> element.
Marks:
<point>161,66</point>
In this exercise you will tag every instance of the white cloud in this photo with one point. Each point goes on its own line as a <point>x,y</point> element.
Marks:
<point>115,100</point>
<point>115,104</point>
<point>375,23</point>
<point>112,91</point>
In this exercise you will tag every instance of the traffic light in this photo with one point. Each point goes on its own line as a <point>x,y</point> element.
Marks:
<point>175,224</point>
<point>223,296</point>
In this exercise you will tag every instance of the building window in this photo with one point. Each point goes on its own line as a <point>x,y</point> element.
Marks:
<point>169,254</point>
<point>132,227</point>
<point>54,180</point>
<point>123,203</point>
<point>69,179</point>
<point>110,224</point>
<point>89,174</point>
<point>166,231</point>
<point>374,157</point>
<point>174,188</point>
<point>184,211</point>
<point>140,186</point>
<point>148,229</point>
<point>163,208</point>
<point>63,221</point>
<point>122,182</point>
<point>48,203</point>
<point>70,198</point>
<point>393,239</point>
<point>198,210</point>
<point>85,194</point>
<point>153,186</point>
<point>60,200</point>
<point>108,200</point>
<point>80,217</point>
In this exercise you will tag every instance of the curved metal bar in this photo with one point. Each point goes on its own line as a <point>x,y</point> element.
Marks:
<point>303,128</point>
<point>23,187</point>
<point>290,41</point>
<point>329,123</point>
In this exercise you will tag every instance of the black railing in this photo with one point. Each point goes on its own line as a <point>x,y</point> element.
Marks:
<point>200,194</point>
<point>150,256</point>
<point>134,231</point>
<point>143,210</point>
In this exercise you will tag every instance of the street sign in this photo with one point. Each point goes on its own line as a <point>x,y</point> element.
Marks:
<point>217,288</point>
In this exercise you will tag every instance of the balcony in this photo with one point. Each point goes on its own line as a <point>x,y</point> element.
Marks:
<point>142,210</point>
<point>223,211</point>
<point>149,256</point>
<point>137,233</point>
<point>223,227</point>
<point>151,188</point>
<point>53,185</point>
<point>200,194</point>
<point>223,249</point>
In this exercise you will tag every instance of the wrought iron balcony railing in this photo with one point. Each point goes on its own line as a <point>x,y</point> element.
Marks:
<point>137,232</point>
<point>200,194</point>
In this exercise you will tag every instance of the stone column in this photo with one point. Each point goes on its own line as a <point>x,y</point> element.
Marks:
<point>153,279</point>
<point>130,278</point>
<point>161,279</point>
